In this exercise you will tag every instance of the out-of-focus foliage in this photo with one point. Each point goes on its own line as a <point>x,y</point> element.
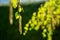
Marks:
<point>16,14</point>
<point>20,9</point>
<point>14,3</point>
<point>46,18</point>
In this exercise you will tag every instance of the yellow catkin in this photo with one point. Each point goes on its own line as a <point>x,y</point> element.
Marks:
<point>47,16</point>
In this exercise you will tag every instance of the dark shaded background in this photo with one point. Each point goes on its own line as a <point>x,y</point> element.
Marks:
<point>10,32</point>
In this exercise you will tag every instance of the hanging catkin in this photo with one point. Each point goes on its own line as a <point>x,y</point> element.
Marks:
<point>10,13</point>
<point>20,18</point>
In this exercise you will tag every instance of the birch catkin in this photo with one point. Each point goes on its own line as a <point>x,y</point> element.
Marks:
<point>10,13</point>
<point>20,18</point>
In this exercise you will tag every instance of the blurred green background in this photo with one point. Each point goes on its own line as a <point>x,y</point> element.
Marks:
<point>11,32</point>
